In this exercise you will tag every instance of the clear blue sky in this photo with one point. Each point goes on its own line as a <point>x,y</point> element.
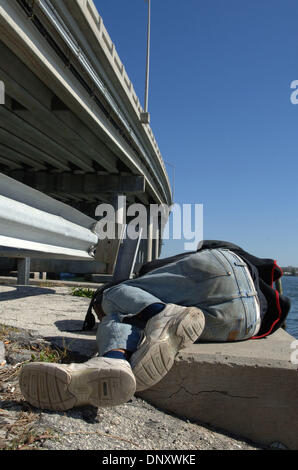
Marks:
<point>220,110</point>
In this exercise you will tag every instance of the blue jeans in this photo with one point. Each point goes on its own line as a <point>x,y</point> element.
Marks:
<point>217,281</point>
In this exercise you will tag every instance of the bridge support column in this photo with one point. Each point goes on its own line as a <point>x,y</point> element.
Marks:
<point>23,271</point>
<point>149,237</point>
<point>153,237</point>
<point>40,275</point>
<point>120,208</point>
<point>156,244</point>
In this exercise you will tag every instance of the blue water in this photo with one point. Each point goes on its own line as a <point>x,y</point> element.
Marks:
<point>290,289</point>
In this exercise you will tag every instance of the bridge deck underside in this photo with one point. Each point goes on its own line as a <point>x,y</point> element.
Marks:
<point>41,138</point>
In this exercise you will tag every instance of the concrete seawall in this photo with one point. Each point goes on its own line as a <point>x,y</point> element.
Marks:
<point>248,388</point>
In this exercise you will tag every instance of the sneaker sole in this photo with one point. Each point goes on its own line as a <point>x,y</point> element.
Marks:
<point>49,386</point>
<point>154,360</point>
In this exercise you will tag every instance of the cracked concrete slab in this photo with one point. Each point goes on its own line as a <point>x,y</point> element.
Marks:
<point>50,311</point>
<point>249,388</point>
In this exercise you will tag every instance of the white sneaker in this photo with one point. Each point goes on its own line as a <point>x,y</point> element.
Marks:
<point>100,382</point>
<point>173,329</point>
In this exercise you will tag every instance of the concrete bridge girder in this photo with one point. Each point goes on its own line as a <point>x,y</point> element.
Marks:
<point>41,109</point>
<point>88,183</point>
<point>44,64</point>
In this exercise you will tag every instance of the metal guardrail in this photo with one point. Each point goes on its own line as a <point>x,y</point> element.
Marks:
<point>32,223</point>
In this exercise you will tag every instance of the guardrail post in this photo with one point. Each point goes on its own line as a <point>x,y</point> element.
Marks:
<point>23,271</point>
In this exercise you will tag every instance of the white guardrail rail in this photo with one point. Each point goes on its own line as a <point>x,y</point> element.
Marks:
<point>34,224</point>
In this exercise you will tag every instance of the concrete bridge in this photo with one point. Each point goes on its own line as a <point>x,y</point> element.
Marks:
<point>71,128</point>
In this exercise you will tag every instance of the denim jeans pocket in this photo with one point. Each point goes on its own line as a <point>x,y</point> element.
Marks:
<point>205,265</point>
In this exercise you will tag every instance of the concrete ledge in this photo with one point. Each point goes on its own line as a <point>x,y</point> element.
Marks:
<point>249,388</point>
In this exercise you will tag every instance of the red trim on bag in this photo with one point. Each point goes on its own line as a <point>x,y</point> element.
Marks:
<point>275,266</point>
<point>274,323</point>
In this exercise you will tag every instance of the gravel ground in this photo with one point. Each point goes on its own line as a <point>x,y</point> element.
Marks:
<point>136,425</point>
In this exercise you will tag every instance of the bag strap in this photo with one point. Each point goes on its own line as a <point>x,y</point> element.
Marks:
<point>90,320</point>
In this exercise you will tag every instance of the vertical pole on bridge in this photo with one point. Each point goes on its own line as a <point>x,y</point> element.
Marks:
<point>148,57</point>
